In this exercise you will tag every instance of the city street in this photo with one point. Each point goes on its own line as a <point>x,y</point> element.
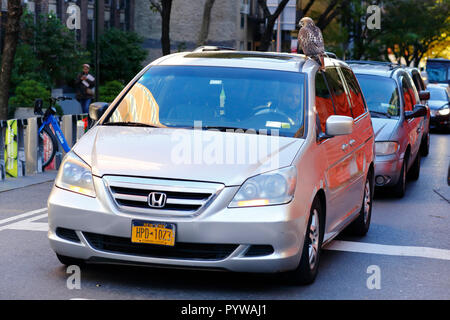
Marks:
<point>408,244</point>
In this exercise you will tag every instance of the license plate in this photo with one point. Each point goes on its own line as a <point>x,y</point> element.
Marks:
<point>151,232</point>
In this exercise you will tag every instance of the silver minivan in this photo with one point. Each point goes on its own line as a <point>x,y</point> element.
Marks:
<point>222,160</point>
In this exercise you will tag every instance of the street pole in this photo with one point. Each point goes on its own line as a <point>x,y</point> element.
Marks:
<point>97,52</point>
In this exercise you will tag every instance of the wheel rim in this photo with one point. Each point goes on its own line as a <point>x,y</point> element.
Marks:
<point>367,201</point>
<point>314,233</point>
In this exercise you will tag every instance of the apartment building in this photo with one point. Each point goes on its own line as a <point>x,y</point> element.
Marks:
<point>112,13</point>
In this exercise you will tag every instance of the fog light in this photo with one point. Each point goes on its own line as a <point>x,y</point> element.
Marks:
<point>380,180</point>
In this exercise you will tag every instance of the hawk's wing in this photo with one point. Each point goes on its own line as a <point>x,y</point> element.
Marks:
<point>311,40</point>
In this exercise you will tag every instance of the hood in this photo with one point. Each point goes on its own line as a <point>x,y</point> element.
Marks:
<point>228,158</point>
<point>436,104</point>
<point>383,128</point>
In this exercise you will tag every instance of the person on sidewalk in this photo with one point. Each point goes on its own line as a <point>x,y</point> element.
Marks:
<point>85,84</point>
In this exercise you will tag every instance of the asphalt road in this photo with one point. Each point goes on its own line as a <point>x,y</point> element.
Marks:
<point>408,246</point>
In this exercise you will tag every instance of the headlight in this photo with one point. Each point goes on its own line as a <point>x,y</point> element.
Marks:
<point>385,148</point>
<point>75,175</point>
<point>444,111</point>
<point>275,187</point>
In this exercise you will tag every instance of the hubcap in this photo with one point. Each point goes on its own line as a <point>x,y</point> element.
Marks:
<point>367,202</point>
<point>314,239</point>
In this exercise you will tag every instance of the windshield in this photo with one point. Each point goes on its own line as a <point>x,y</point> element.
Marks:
<point>437,93</point>
<point>215,97</point>
<point>381,95</point>
<point>438,73</point>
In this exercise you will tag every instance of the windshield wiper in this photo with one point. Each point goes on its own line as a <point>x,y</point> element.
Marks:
<point>380,113</point>
<point>131,124</point>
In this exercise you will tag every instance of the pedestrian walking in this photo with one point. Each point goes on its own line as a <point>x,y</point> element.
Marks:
<point>85,84</point>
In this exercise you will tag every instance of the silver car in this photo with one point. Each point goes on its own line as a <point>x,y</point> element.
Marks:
<point>398,121</point>
<point>220,160</point>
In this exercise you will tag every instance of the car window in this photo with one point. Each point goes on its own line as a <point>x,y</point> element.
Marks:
<point>336,86</point>
<point>437,93</point>
<point>409,93</point>
<point>324,103</point>
<point>186,96</point>
<point>381,95</point>
<point>356,96</point>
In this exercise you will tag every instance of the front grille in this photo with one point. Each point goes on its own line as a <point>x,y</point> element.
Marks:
<point>182,197</point>
<point>187,251</point>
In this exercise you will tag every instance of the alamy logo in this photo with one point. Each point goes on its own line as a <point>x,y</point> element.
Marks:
<point>74,280</point>
<point>74,17</point>
<point>374,19</point>
<point>374,281</point>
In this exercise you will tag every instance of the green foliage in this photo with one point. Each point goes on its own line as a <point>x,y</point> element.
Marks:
<point>109,91</point>
<point>121,55</point>
<point>27,92</point>
<point>56,54</point>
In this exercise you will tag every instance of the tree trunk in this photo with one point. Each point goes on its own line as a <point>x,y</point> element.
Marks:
<point>267,35</point>
<point>203,36</point>
<point>166,8</point>
<point>12,29</point>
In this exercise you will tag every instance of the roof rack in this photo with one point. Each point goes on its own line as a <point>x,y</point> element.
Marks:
<point>391,65</point>
<point>212,48</point>
<point>331,55</point>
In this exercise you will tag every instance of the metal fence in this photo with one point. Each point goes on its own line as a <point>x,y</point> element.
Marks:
<point>30,147</point>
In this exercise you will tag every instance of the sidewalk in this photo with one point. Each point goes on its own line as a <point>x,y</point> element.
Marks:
<point>21,182</point>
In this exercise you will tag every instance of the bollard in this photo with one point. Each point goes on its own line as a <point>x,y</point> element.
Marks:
<point>33,159</point>
<point>21,162</point>
<point>69,129</point>
<point>2,150</point>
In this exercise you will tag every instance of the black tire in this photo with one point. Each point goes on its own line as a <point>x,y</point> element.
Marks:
<point>425,145</point>
<point>414,172</point>
<point>53,144</point>
<point>68,261</point>
<point>360,226</point>
<point>400,187</point>
<point>308,267</point>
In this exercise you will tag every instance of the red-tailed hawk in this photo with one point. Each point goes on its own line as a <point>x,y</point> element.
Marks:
<point>310,39</point>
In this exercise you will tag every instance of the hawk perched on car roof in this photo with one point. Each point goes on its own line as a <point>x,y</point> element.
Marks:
<point>310,39</point>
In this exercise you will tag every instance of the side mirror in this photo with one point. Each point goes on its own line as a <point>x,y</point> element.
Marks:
<point>424,95</point>
<point>97,109</point>
<point>339,125</point>
<point>419,111</point>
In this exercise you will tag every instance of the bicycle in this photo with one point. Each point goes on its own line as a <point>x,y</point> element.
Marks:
<point>45,131</point>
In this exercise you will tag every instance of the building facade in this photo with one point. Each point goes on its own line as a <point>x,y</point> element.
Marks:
<point>112,13</point>
<point>233,24</point>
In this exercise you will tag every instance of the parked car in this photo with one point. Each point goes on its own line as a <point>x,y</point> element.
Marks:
<point>438,72</point>
<point>126,194</point>
<point>440,108</point>
<point>397,119</point>
<point>424,97</point>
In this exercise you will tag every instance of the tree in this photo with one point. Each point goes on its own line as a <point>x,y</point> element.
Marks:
<point>121,55</point>
<point>54,46</point>
<point>269,22</point>
<point>164,7</point>
<point>11,39</point>
<point>411,28</point>
<point>205,22</point>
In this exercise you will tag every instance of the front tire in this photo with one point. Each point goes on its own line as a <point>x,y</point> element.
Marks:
<point>400,188</point>
<point>308,268</point>
<point>47,135</point>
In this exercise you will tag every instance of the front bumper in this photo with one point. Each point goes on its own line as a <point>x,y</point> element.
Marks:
<point>279,226</point>
<point>387,170</point>
<point>438,121</point>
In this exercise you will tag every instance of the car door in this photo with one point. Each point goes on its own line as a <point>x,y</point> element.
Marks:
<point>341,171</point>
<point>361,136</point>
<point>413,127</point>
